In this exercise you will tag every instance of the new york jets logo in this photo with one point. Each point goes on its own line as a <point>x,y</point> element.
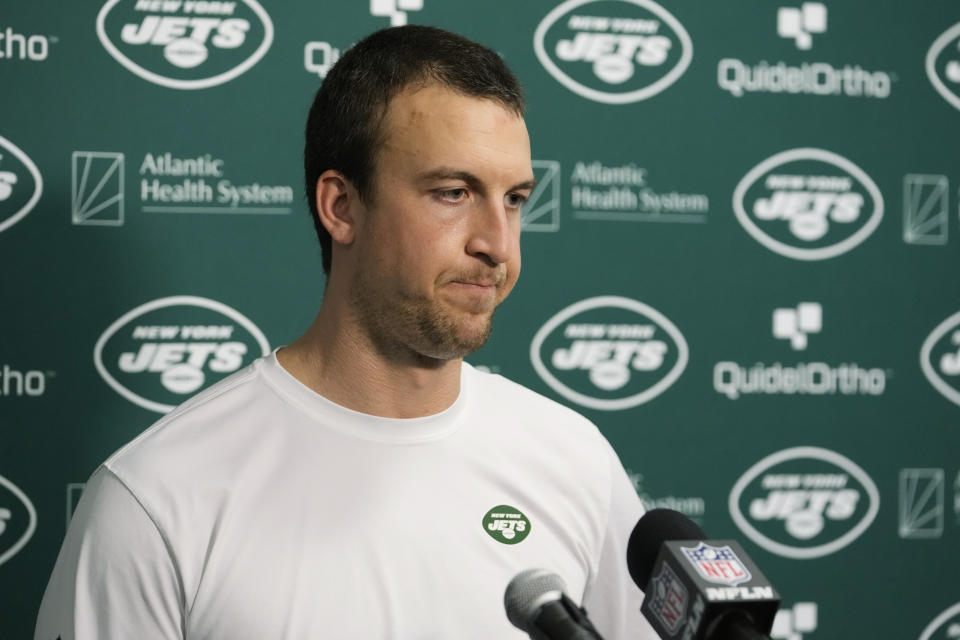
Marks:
<point>18,519</point>
<point>943,65</point>
<point>940,358</point>
<point>506,524</point>
<point>944,626</point>
<point>185,44</point>
<point>804,502</point>
<point>609,353</point>
<point>161,352</point>
<point>808,204</point>
<point>20,184</point>
<point>613,51</point>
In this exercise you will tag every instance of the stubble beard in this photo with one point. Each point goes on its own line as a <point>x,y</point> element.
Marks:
<point>404,325</point>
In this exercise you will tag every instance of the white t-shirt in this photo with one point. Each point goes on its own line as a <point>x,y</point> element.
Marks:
<point>260,510</point>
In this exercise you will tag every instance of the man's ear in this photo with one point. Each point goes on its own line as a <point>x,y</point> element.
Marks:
<point>337,206</point>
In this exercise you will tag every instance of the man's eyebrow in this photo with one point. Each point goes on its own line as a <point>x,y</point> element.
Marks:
<point>528,184</point>
<point>444,173</point>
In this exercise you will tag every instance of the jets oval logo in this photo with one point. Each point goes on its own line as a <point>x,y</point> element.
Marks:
<point>943,65</point>
<point>808,204</point>
<point>185,44</point>
<point>20,184</point>
<point>804,502</point>
<point>940,358</point>
<point>613,51</point>
<point>18,519</point>
<point>162,352</point>
<point>945,625</point>
<point>609,353</point>
<point>506,524</point>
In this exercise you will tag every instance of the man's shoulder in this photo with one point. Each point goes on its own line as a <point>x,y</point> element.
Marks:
<point>505,390</point>
<point>540,416</point>
<point>200,425</point>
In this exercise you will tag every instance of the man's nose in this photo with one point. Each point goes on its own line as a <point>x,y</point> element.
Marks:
<point>494,235</point>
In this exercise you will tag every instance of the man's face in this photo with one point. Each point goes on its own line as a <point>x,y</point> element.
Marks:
<point>438,245</point>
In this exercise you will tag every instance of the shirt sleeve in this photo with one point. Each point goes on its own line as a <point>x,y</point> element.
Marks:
<point>611,598</point>
<point>114,578</point>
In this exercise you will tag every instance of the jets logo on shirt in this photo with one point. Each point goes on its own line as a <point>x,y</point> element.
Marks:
<point>506,524</point>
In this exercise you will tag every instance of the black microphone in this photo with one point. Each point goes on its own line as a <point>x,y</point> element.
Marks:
<point>537,605</point>
<point>694,588</point>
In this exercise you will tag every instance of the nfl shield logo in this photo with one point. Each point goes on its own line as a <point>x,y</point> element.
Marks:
<point>668,599</point>
<point>717,564</point>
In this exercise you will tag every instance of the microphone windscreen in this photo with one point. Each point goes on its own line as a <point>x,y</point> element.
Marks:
<point>653,529</point>
<point>525,592</point>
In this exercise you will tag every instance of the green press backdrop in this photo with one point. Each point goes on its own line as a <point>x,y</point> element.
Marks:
<point>741,259</point>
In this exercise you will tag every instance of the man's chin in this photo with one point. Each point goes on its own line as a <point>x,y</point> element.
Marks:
<point>458,340</point>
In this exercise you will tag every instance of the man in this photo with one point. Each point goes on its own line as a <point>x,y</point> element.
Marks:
<point>364,482</point>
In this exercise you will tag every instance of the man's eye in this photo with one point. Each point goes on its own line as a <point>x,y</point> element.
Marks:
<point>452,195</point>
<point>515,200</point>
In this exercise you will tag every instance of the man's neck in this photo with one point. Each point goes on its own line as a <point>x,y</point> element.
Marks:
<point>336,359</point>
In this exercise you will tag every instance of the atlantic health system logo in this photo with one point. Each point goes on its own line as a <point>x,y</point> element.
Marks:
<point>161,352</point>
<point>20,184</point>
<point>185,44</point>
<point>804,502</point>
<point>613,51</point>
<point>609,353</point>
<point>808,204</point>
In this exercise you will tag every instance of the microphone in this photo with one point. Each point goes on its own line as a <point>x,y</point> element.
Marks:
<point>697,589</point>
<point>537,605</point>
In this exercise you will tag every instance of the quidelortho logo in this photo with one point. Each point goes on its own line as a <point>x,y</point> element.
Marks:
<point>18,519</point>
<point>609,353</point>
<point>943,65</point>
<point>18,46</point>
<point>940,358</point>
<point>945,626</point>
<point>800,23</point>
<point>506,524</point>
<point>396,10</point>
<point>816,78</point>
<point>185,44</point>
<point>20,184</point>
<point>16,383</point>
<point>161,352</point>
<point>796,324</point>
<point>319,57</point>
<point>804,502</point>
<point>613,51</point>
<point>814,377</point>
<point>808,204</point>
